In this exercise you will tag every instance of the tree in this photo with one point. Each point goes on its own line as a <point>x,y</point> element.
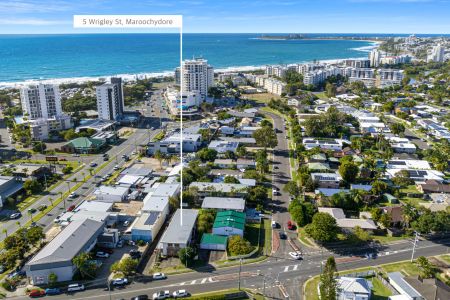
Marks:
<point>379,187</point>
<point>207,154</point>
<point>32,186</point>
<point>241,151</point>
<point>35,234</point>
<point>328,284</point>
<point>186,255</point>
<point>426,268</point>
<point>397,128</point>
<point>359,236</point>
<point>52,279</point>
<point>174,202</point>
<point>9,259</point>
<point>265,137</point>
<point>256,195</point>
<point>385,220</point>
<point>158,155</point>
<point>330,90</point>
<point>84,265</point>
<point>323,228</point>
<point>39,147</point>
<point>231,179</point>
<point>348,171</point>
<point>402,179</point>
<point>237,245</point>
<point>127,266</point>
<point>292,188</point>
<point>205,220</point>
<point>262,162</point>
<point>67,169</point>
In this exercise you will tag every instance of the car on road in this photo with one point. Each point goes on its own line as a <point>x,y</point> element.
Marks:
<point>116,167</point>
<point>76,155</point>
<point>282,235</point>
<point>290,225</point>
<point>101,254</point>
<point>275,192</point>
<point>119,282</point>
<point>72,195</point>
<point>36,293</point>
<point>159,276</point>
<point>274,224</point>
<point>180,294</point>
<point>296,255</point>
<point>72,207</point>
<point>93,164</point>
<point>140,297</point>
<point>75,287</point>
<point>15,215</point>
<point>161,295</point>
<point>52,291</point>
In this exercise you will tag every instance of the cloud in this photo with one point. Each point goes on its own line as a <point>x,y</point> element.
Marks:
<point>32,21</point>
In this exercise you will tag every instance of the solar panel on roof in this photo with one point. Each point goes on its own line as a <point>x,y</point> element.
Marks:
<point>422,173</point>
<point>151,218</point>
<point>397,163</point>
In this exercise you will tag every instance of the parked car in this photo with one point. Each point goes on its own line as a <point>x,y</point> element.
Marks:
<point>295,255</point>
<point>93,164</point>
<point>73,195</point>
<point>70,208</point>
<point>282,235</point>
<point>120,244</point>
<point>15,215</point>
<point>116,167</point>
<point>135,254</point>
<point>126,223</point>
<point>36,293</point>
<point>274,224</point>
<point>290,225</point>
<point>140,297</point>
<point>159,276</point>
<point>76,155</point>
<point>180,294</point>
<point>75,287</point>
<point>161,295</point>
<point>104,249</point>
<point>52,291</point>
<point>102,254</point>
<point>119,282</point>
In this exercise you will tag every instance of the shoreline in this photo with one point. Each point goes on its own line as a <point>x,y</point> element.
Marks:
<point>145,75</point>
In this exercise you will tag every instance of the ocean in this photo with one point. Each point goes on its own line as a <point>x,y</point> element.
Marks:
<point>75,56</point>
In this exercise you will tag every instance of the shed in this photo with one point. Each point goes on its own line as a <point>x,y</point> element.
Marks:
<point>213,242</point>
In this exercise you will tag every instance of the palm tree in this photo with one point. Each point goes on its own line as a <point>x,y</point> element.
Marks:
<point>409,214</point>
<point>159,156</point>
<point>51,200</point>
<point>5,232</point>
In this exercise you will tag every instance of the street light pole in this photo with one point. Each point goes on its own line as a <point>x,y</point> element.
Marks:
<point>416,237</point>
<point>240,267</point>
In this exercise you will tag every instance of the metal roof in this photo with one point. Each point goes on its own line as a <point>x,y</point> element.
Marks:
<point>177,233</point>
<point>223,203</point>
<point>399,280</point>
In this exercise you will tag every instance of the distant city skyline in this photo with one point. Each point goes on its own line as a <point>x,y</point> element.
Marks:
<point>234,16</point>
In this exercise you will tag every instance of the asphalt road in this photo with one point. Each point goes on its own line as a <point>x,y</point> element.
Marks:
<point>270,273</point>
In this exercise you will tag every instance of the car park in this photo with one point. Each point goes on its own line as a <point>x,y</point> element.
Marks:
<point>161,295</point>
<point>296,255</point>
<point>75,287</point>
<point>52,291</point>
<point>102,254</point>
<point>180,294</point>
<point>159,276</point>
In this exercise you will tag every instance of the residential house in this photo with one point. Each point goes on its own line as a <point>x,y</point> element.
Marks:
<point>326,180</point>
<point>229,223</point>
<point>224,203</point>
<point>214,242</point>
<point>351,288</point>
<point>9,187</point>
<point>347,223</point>
<point>179,234</point>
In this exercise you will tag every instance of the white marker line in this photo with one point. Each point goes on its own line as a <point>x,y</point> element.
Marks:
<point>295,268</point>
<point>286,269</point>
<point>203,280</point>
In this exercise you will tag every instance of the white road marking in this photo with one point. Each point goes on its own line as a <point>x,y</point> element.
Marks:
<point>193,281</point>
<point>286,269</point>
<point>203,280</point>
<point>295,268</point>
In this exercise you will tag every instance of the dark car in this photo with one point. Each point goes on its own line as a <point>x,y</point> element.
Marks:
<point>52,291</point>
<point>282,235</point>
<point>93,164</point>
<point>140,297</point>
<point>107,250</point>
<point>135,253</point>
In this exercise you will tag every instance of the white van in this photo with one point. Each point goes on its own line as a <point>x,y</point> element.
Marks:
<point>75,287</point>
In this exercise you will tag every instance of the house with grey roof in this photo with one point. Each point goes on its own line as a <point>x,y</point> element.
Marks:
<point>397,280</point>
<point>350,288</point>
<point>9,186</point>
<point>219,189</point>
<point>56,257</point>
<point>180,232</point>
<point>224,203</point>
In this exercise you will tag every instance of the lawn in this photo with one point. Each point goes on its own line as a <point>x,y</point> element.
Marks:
<point>263,97</point>
<point>406,267</point>
<point>384,239</point>
<point>303,239</point>
<point>321,95</point>
<point>412,201</point>
<point>445,258</point>
<point>263,231</point>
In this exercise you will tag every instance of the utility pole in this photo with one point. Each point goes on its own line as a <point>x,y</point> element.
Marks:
<point>416,238</point>
<point>240,267</point>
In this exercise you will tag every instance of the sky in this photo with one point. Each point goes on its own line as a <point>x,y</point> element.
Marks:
<point>240,16</point>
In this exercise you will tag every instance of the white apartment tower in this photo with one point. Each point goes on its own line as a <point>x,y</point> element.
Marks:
<point>110,101</point>
<point>41,101</point>
<point>41,105</point>
<point>197,77</point>
<point>437,54</point>
<point>375,57</point>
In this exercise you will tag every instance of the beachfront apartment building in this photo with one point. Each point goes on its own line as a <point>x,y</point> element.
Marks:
<point>197,77</point>
<point>276,70</point>
<point>436,54</point>
<point>272,85</point>
<point>110,100</point>
<point>41,106</point>
<point>375,57</point>
<point>388,77</point>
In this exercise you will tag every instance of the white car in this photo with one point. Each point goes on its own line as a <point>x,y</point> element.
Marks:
<point>75,287</point>
<point>119,281</point>
<point>296,255</point>
<point>116,167</point>
<point>161,295</point>
<point>72,195</point>
<point>159,276</point>
<point>102,254</point>
<point>180,294</point>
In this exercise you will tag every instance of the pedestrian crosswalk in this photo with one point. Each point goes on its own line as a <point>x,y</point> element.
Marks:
<point>198,281</point>
<point>291,268</point>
